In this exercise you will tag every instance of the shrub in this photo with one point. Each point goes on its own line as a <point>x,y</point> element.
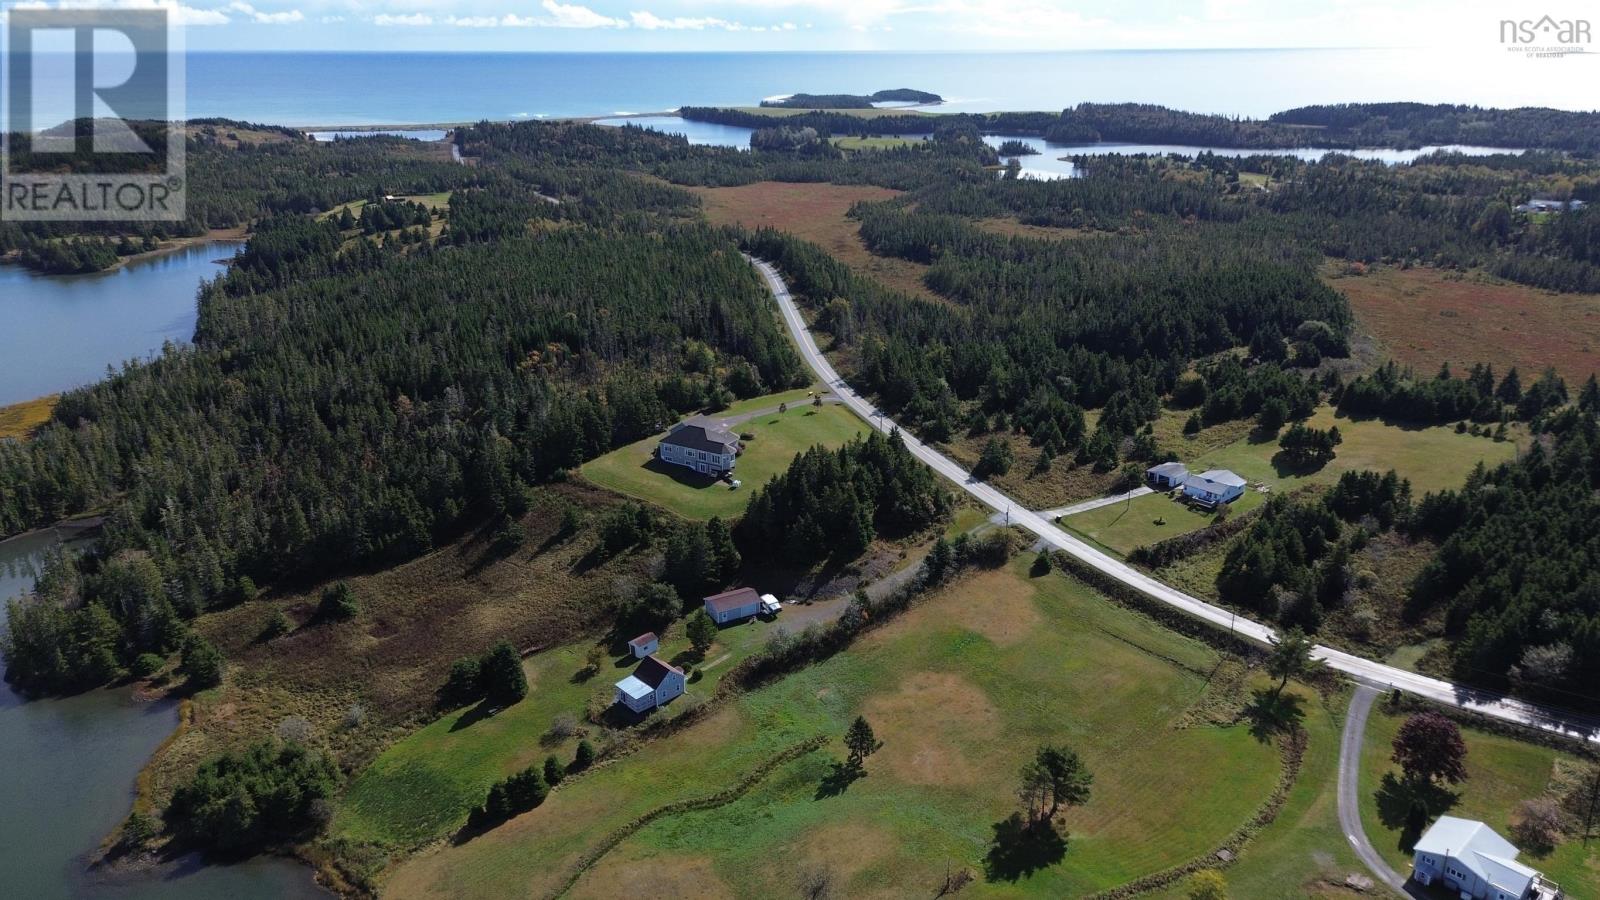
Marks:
<point>338,603</point>
<point>146,664</point>
<point>278,624</point>
<point>464,684</point>
<point>583,757</point>
<point>501,676</point>
<point>553,773</point>
<point>201,663</point>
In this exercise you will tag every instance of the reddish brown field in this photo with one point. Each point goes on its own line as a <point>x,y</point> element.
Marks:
<point>814,212</point>
<point>1425,317</point>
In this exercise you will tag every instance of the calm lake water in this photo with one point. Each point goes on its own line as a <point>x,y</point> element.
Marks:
<point>61,331</point>
<point>68,775</point>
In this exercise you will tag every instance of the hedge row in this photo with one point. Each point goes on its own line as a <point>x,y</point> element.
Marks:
<point>1490,725</point>
<point>697,804</point>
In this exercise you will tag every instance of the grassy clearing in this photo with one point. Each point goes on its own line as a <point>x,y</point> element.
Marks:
<point>1425,317</point>
<point>1064,482</point>
<point>20,419</point>
<point>961,689</point>
<point>854,143</point>
<point>816,213</point>
<point>1145,520</point>
<point>1010,226</point>
<point>424,786</point>
<point>438,202</point>
<point>1301,854</point>
<point>1433,458</point>
<point>634,471</point>
<point>1502,772</point>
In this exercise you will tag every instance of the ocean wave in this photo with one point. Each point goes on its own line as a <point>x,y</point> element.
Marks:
<point>775,98</point>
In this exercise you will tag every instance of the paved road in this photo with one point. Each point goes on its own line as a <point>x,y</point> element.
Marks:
<point>1085,506</point>
<point>1355,729</point>
<point>1363,670</point>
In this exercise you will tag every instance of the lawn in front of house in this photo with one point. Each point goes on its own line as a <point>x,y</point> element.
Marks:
<point>1145,520</point>
<point>777,437</point>
<point>1501,772</point>
<point>961,690</point>
<point>423,787</point>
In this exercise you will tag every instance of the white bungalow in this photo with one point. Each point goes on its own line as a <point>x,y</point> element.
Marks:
<point>653,683</point>
<point>1213,487</point>
<point>1469,859</point>
<point>701,444</point>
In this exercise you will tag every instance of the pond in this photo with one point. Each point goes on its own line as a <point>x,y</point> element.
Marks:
<point>70,765</point>
<point>61,331</point>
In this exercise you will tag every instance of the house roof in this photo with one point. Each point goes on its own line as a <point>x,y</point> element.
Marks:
<point>643,639</point>
<point>1478,848</point>
<point>702,434</point>
<point>1221,477</point>
<point>1168,468</point>
<point>635,689</point>
<point>652,671</point>
<point>733,599</point>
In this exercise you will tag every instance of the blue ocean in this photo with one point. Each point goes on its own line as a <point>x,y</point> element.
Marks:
<point>332,89</point>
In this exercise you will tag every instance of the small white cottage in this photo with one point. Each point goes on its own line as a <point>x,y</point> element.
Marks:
<point>653,683</point>
<point>733,606</point>
<point>1213,487</point>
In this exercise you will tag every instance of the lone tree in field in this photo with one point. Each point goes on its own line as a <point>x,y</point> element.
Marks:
<point>1429,748</point>
<point>861,742</point>
<point>1290,657</point>
<point>501,676</point>
<point>701,630</point>
<point>1054,778</point>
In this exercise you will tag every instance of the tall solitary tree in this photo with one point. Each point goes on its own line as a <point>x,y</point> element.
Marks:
<point>502,677</point>
<point>1290,657</point>
<point>860,741</point>
<point>701,630</point>
<point>1054,778</point>
<point>1428,747</point>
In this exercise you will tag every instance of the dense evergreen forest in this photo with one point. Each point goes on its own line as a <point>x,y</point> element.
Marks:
<point>1340,127</point>
<point>362,388</point>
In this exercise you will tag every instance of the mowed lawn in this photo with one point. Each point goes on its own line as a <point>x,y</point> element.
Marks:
<point>1501,773</point>
<point>1433,458</point>
<point>423,787</point>
<point>961,690</point>
<point>633,470</point>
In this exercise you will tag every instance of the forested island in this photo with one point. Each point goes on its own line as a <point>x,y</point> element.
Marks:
<point>854,101</point>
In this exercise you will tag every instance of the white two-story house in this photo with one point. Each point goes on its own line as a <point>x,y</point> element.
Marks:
<point>1467,858</point>
<point>701,444</point>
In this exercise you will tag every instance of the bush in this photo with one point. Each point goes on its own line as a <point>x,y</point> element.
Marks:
<point>201,663</point>
<point>553,773</point>
<point>278,624</point>
<point>516,794</point>
<point>338,603</point>
<point>583,757</point>
<point>464,684</point>
<point>146,664</point>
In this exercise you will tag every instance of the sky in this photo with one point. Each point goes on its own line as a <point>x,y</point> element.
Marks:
<point>808,25</point>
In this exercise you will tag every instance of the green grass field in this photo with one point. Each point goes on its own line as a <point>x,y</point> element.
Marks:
<point>436,201</point>
<point>960,690</point>
<point>1121,527</point>
<point>1434,458</point>
<point>424,786</point>
<point>1501,772</point>
<point>873,143</point>
<point>633,470</point>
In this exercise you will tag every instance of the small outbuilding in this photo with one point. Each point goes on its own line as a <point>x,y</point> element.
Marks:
<point>733,606</point>
<point>1467,858</point>
<point>653,683</point>
<point>644,645</point>
<point>1167,475</point>
<point>1213,487</point>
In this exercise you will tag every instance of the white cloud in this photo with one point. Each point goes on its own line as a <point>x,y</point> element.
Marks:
<point>652,22</point>
<point>413,20</point>
<point>286,17</point>
<point>572,15</point>
<point>181,14</point>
